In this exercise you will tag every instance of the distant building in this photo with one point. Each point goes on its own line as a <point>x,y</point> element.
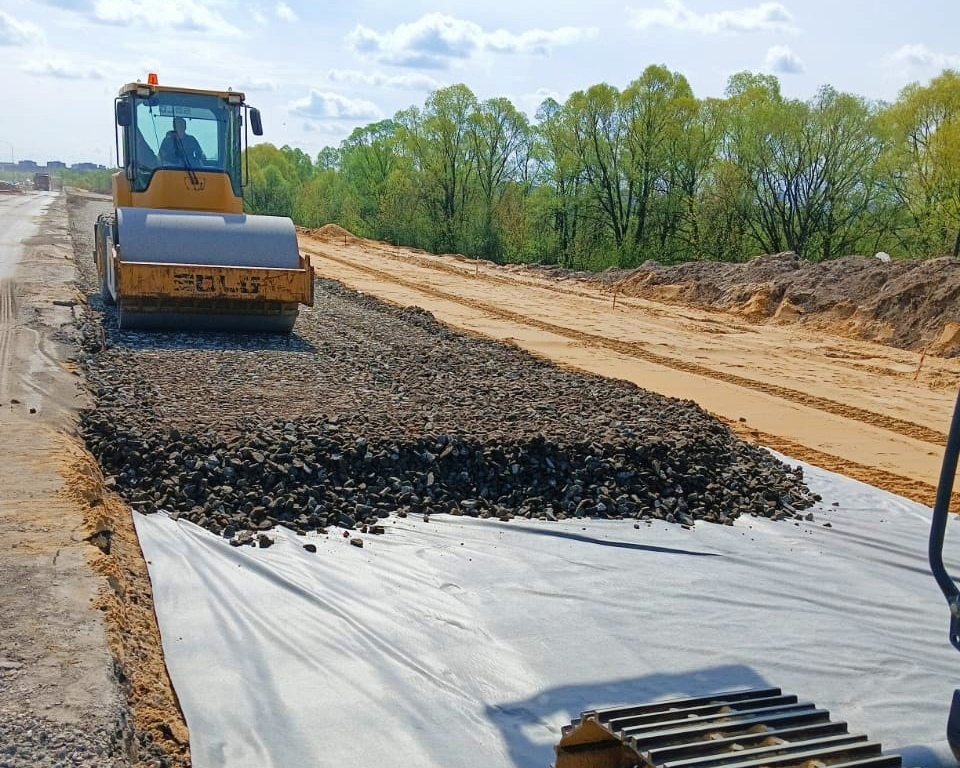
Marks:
<point>27,165</point>
<point>87,167</point>
<point>52,164</point>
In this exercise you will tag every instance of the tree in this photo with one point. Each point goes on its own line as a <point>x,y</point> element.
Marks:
<point>841,178</point>
<point>299,161</point>
<point>367,158</point>
<point>274,182</point>
<point>612,177</point>
<point>438,141</point>
<point>559,181</point>
<point>598,134</point>
<point>765,142</point>
<point>923,163</point>
<point>498,134</point>
<point>708,226</point>
<point>269,193</point>
<point>328,159</point>
<point>656,109</point>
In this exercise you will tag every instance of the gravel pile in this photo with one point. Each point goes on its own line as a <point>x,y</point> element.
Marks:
<point>370,410</point>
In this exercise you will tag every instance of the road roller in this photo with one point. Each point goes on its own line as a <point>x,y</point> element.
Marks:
<point>178,252</point>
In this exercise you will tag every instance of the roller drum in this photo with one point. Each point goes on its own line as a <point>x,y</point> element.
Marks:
<point>163,236</point>
<point>204,240</point>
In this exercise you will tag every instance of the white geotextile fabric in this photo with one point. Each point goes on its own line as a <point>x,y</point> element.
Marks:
<point>462,642</point>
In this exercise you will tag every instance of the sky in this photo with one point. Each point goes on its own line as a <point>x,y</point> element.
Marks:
<point>317,70</point>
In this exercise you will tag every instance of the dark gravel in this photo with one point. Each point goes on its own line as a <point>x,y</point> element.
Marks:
<point>369,410</point>
<point>32,741</point>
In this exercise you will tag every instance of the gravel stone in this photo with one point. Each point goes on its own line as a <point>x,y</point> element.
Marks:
<point>369,410</point>
<point>30,741</point>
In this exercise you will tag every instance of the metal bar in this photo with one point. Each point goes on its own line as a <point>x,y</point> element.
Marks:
<point>845,755</point>
<point>718,719</point>
<point>661,706</point>
<point>715,707</point>
<point>938,524</point>
<point>743,729</point>
<point>683,736</point>
<point>879,761</point>
<point>745,740</point>
<point>826,744</point>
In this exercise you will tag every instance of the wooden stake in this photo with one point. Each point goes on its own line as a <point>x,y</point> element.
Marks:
<point>920,364</point>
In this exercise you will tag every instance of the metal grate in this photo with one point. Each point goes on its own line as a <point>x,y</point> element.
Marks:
<point>759,728</point>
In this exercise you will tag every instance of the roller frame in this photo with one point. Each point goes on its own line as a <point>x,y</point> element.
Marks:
<point>180,295</point>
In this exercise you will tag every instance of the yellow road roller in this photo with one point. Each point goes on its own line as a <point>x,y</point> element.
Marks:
<point>178,252</point>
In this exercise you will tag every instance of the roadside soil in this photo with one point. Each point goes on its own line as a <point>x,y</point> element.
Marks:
<point>910,304</point>
<point>159,733</point>
<point>82,680</point>
<point>798,384</point>
<point>56,673</point>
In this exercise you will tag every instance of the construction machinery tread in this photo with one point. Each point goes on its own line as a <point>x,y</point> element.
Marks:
<point>754,728</point>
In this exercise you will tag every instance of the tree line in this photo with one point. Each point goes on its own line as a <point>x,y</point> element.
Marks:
<point>615,177</point>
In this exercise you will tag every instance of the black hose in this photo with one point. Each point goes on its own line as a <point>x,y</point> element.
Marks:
<point>938,525</point>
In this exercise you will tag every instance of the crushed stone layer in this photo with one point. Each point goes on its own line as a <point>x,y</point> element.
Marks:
<point>369,410</point>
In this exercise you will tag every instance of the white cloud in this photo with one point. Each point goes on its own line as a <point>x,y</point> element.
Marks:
<point>536,41</point>
<point>782,60</point>
<point>63,70</point>
<point>71,5</point>
<point>149,64</point>
<point>407,82</point>
<point>255,84</point>
<point>319,105</point>
<point>15,32</point>
<point>921,57</point>
<point>257,16</point>
<point>180,15</point>
<point>434,40</point>
<point>542,94</point>
<point>765,17</point>
<point>285,12</point>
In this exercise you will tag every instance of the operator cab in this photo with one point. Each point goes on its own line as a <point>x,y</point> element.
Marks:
<point>214,137</point>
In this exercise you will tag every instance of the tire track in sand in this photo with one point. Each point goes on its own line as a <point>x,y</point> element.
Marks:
<point>8,317</point>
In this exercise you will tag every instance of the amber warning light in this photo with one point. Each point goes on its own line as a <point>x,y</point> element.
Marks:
<point>152,79</point>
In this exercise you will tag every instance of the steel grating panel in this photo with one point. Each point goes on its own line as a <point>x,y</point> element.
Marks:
<point>757,728</point>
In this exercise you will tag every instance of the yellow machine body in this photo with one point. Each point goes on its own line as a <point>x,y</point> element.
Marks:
<point>178,252</point>
<point>174,189</point>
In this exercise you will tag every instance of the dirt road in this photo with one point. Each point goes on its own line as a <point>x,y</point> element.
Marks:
<point>60,701</point>
<point>857,408</point>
